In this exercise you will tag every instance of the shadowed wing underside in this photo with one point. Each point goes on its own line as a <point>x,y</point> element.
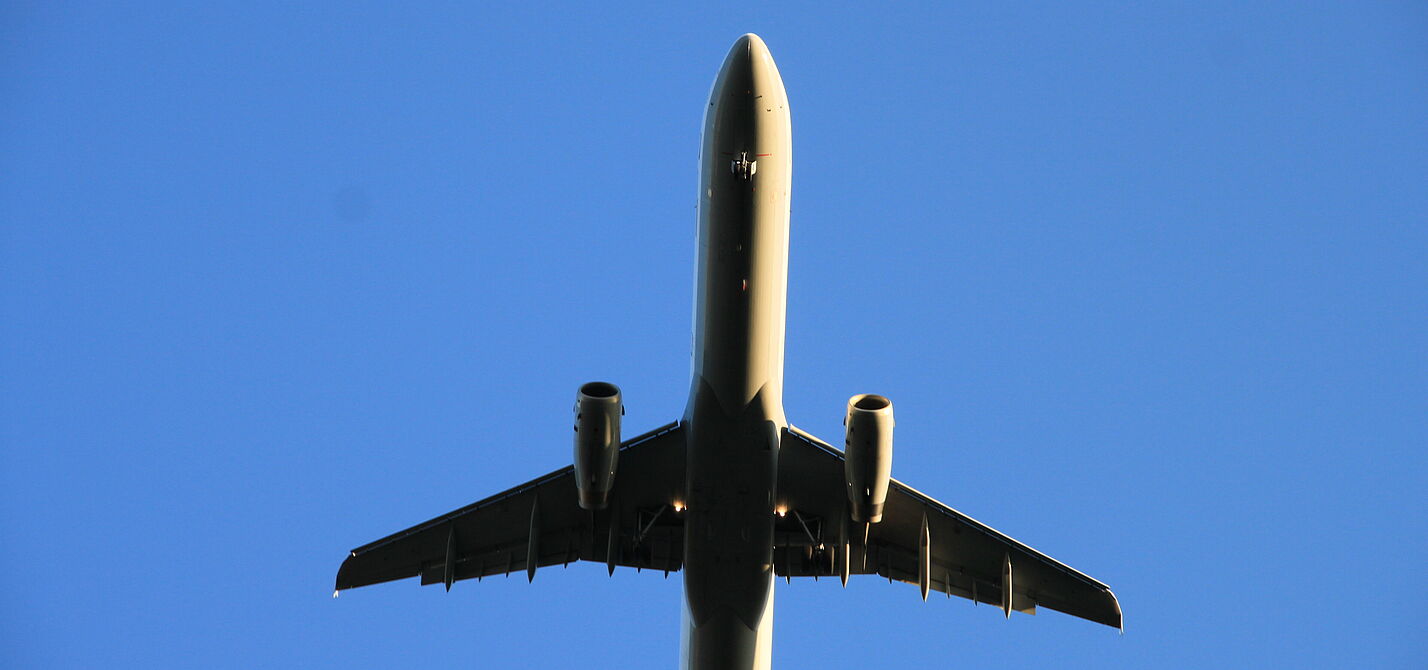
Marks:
<point>539,523</point>
<point>964,558</point>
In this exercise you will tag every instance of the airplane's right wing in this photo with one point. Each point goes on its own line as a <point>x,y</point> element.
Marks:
<point>539,523</point>
<point>963,556</point>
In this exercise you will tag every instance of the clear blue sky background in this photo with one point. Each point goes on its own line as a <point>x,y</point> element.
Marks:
<point>1149,286</point>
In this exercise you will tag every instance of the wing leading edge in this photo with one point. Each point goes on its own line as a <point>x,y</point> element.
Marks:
<point>962,556</point>
<point>540,523</point>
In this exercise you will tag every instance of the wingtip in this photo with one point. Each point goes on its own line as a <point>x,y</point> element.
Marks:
<point>1120,617</point>
<point>343,580</point>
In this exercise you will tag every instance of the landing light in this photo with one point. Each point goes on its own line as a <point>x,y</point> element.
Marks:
<point>678,506</point>
<point>781,511</point>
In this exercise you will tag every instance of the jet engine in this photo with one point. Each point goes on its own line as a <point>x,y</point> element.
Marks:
<point>868,464</point>
<point>597,442</point>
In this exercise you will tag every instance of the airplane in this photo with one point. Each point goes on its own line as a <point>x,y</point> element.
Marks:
<point>731,494</point>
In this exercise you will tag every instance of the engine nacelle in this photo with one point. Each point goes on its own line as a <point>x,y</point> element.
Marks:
<point>868,464</point>
<point>597,442</point>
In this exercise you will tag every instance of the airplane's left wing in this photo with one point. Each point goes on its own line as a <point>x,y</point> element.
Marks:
<point>919,541</point>
<point>540,523</point>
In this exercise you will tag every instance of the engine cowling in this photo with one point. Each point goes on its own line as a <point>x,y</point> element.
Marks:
<point>868,464</point>
<point>598,409</point>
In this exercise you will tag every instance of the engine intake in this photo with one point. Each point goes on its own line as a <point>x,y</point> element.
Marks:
<point>868,464</point>
<point>598,409</point>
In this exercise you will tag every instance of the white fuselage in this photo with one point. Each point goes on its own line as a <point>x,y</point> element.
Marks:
<point>735,411</point>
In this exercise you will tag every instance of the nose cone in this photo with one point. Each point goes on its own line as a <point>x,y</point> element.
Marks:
<point>748,55</point>
<point>747,117</point>
<point>752,47</point>
<point>749,70</point>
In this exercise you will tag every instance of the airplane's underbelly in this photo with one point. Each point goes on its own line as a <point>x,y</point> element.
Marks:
<point>742,254</point>
<point>735,412</point>
<point>728,538</point>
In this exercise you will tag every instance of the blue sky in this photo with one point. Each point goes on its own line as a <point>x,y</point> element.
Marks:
<point>1148,285</point>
